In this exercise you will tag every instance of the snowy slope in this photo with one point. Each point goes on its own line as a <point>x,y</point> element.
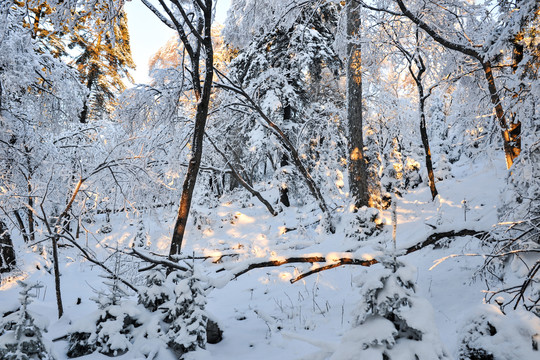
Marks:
<point>262,314</point>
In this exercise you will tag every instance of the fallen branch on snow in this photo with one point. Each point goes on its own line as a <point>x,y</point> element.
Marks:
<point>431,240</point>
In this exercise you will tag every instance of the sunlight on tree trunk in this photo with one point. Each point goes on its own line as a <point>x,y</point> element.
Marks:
<point>357,164</point>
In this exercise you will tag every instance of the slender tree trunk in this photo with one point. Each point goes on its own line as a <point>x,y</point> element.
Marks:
<point>510,132</point>
<point>422,110</point>
<point>30,211</point>
<point>358,183</point>
<point>191,176</point>
<point>427,149</point>
<point>200,123</point>
<point>21,226</point>
<point>57,288</point>
<point>283,190</point>
<point>30,214</point>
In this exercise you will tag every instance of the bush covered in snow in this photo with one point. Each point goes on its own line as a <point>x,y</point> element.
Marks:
<point>491,335</point>
<point>391,321</point>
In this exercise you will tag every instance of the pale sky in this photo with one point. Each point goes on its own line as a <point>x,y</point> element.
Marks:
<point>148,34</point>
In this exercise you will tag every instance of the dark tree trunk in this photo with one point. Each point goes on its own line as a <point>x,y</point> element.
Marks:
<point>283,191</point>
<point>422,110</point>
<point>193,169</point>
<point>29,211</point>
<point>92,77</point>
<point>427,149</point>
<point>204,42</point>
<point>22,228</point>
<point>358,183</point>
<point>7,253</point>
<point>283,188</point>
<point>84,113</point>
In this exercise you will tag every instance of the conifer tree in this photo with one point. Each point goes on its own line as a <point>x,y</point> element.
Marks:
<point>391,321</point>
<point>186,313</point>
<point>104,60</point>
<point>20,334</point>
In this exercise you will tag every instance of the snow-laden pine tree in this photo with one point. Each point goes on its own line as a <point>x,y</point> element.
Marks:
<point>185,312</point>
<point>21,335</point>
<point>391,321</point>
<point>111,330</point>
<point>155,293</point>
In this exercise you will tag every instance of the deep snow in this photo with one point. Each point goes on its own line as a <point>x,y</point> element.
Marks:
<point>263,315</point>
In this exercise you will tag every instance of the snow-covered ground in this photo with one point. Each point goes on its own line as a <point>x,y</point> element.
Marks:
<point>263,315</point>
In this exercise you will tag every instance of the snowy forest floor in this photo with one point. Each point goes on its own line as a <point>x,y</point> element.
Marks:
<point>263,315</point>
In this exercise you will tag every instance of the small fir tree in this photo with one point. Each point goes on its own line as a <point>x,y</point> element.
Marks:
<point>111,330</point>
<point>391,321</point>
<point>155,293</point>
<point>186,314</point>
<point>21,337</point>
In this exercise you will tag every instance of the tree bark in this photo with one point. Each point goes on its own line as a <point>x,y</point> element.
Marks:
<point>22,228</point>
<point>29,211</point>
<point>422,110</point>
<point>427,149</point>
<point>283,190</point>
<point>358,184</point>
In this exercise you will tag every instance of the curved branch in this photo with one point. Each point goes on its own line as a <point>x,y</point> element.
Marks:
<point>438,37</point>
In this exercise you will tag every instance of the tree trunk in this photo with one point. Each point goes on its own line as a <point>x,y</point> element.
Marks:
<point>427,149</point>
<point>57,287</point>
<point>510,132</point>
<point>283,191</point>
<point>201,116</point>
<point>29,211</point>
<point>422,110</point>
<point>7,253</point>
<point>192,171</point>
<point>22,228</point>
<point>358,183</point>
